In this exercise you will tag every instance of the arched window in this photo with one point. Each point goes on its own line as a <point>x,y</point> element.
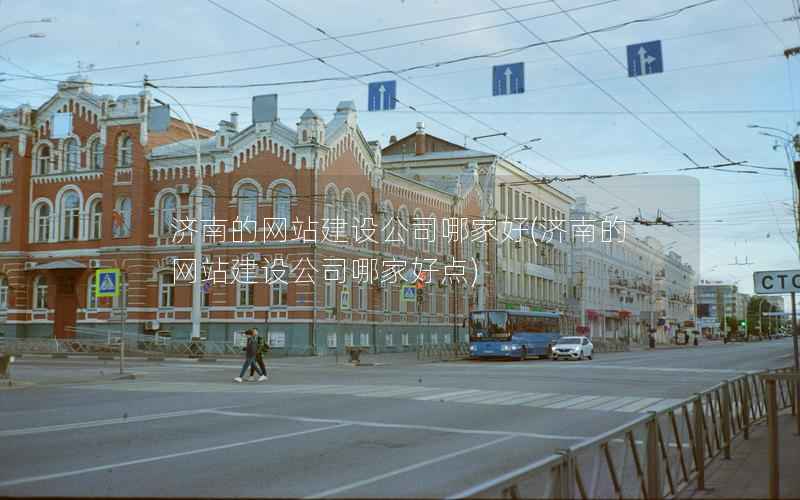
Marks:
<point>96,219</point>
<point>72,155</point>
<point>348,210</point>
<point>282,203</point>
<point>96,154</point>
<point>330,203</point>
<point>363,209</point>
<point>5,223</point>
<point>91,298</point>
<point>3,292</point>
<point>125,151</point>
<point>43,164</point>
<point>70,216</point>
<point>402,228</point>
<point>206,210</point>
<point>6,162</point>
<point>166,290</point>
<point>122,218</point>
<point>40,292</point>
<point>248,205</point>
<point>41,222</point>
<point>167,212</point>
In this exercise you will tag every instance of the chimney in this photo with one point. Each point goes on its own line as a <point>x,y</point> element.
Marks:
<point>235,120</point>
<point>420,138</point>
<point>392,139</point>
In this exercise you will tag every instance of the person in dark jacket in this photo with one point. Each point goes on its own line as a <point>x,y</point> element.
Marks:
<point>250,358</point>
<point>262,348</point>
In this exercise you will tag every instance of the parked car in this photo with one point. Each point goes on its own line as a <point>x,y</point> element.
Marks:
<point>573,348</point>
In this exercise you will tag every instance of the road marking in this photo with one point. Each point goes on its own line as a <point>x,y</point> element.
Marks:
<point>445,395</point>
<point>408,468</point>
<point>98,468</point>
<point>384,425</point>
<point>415,392</point>
<point>638,405</point>
<point>99,423</point>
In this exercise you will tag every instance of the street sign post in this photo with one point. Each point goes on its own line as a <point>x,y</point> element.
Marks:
<point>381,96</point>
<point>645,59</point>
<point>107,284</point>
<point>409,293</point>
<point>780,282</point>
<point>508,79</point>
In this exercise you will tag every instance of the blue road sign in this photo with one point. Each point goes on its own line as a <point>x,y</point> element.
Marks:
<point>645,58</point>
<point>508,79</point>
<point>382,95</point>
<point>107,282</point>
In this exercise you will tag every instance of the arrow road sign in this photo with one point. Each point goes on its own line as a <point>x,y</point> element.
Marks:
<point>382,95</point>
<point>106,282</point>
<point>645,58</point>
<point>508,79</point>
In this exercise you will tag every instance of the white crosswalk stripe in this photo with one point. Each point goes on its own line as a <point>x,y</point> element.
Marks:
<point>551,401</point>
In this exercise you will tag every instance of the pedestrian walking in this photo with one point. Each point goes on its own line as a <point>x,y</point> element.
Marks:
<point>262,346</point>
<point>250,350</point>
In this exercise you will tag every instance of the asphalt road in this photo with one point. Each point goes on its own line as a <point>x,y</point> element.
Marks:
<point>398,428</point>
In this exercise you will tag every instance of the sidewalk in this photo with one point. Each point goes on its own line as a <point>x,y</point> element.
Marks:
<point>746,474</point>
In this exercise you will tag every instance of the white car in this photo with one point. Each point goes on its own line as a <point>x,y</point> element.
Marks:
<point>573,348</point>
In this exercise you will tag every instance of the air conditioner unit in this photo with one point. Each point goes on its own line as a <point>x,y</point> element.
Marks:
<point>182,189</point>
<point>95,263</point>
<point>152,325</point>
<point>30,266</point>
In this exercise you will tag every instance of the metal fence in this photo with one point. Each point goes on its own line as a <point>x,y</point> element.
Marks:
<point>443,352</point>
<point>657,455</point>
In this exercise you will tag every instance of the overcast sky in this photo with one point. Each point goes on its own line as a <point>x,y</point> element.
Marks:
<point>723,70</point>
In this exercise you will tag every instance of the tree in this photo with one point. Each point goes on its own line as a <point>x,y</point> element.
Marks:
<point>732,326</point>
<point>755,307</point>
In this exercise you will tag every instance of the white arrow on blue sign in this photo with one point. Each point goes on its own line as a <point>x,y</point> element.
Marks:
<point>382,96</point>
<point>645,59</point>
<point>508,79</point>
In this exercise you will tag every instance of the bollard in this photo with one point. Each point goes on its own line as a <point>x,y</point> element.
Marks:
<point>653,459</point>
<point>725,412</point>
<point>699,443</point>
<point>772,423</point>
<point>746,410</point>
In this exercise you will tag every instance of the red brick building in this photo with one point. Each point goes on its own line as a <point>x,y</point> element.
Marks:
<point>107,195</point>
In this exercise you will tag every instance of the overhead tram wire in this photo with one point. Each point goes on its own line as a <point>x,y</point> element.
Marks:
<point>321,60</point>
<point>642,83</point>
<point>406,80</point>
<point>609,95</point>
<point>434,65</point>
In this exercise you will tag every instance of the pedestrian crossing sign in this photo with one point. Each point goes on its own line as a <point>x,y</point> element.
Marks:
<point>106,282</point>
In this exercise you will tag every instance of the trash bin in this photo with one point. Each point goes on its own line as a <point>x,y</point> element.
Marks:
<point>652,342</point>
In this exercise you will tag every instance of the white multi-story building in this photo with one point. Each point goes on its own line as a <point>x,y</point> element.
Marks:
<point>625,285</point>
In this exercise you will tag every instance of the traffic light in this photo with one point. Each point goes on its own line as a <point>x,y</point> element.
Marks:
<point>743,324</point>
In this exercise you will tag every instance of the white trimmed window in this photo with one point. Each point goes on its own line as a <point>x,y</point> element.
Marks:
<point>96,154</point>
<point>166,290</point>
<point>5,223</point>
<point>404,339</point>
<point>40,293</point>
<point>389,340</point>
<point>167,212</point>
<point>70,216</point>
<point>3,292</point>
<point>122,218</point>
<point>125,151</point>
<point>6,162</point>
<point>43,163</point>
<point>41,222</point>
<point>364,339</point>
<point>96,219</point>
<point>91,298</point>
<point>72,155</point>
<point>245,295</point>
<point>348,339</point>
<point>248,206</point>
<point>279,294</point>
<point>282,203</point>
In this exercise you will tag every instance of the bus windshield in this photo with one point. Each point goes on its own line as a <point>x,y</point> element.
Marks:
<point>489,325</point>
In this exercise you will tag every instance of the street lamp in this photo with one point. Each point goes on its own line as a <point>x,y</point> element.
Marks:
<point>524,146</point>
<point>197,203</point>
<point>31,21</point>
<point>752,125</point>
<point>32,35</point>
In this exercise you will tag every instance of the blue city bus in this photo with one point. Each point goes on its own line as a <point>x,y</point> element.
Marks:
<point>512,334</point>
